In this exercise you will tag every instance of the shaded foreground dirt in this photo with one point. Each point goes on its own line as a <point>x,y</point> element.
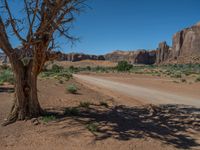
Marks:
<point>143,127</point>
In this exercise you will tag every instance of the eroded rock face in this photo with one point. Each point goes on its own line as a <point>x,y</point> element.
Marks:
<point>162,53</point>
<point>134,57</point>
<point>185,49</point>
<point>186,45</point>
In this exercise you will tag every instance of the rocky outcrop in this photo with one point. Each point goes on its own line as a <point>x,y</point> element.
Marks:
<point>185,48</point>
<point>79,56</point>
<point>186,45</point>
<point>163,52</point>
<point>133,57</point>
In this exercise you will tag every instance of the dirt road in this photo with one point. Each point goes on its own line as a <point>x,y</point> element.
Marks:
<point>141,93</point>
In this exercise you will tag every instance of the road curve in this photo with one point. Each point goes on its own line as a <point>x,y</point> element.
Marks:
<point>152,96</point>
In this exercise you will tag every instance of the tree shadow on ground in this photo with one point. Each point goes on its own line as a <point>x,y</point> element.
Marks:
<point>171,124</point>
<point>6,90</point>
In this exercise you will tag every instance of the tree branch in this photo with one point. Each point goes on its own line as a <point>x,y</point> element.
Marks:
<point>13,22</point>
<point>4,41</point>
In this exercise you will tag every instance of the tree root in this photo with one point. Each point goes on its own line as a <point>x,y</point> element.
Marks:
<point>13,117</point>
<point>9,121</point>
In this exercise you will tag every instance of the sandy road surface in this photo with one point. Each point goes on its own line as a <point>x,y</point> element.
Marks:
<point>145,94</point>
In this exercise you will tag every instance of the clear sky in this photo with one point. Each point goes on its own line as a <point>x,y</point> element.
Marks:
<point>129,24</point>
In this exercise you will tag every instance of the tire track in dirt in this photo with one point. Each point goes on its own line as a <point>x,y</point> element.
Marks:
<point>138,92</point>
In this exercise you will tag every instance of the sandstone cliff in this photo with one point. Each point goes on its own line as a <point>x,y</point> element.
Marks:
<point>134,57</point>
<point>185,48</point>
<point>163,53</point>
<point>186,45</point>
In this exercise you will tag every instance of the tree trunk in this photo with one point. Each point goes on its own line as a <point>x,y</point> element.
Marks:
<point>26,104</point>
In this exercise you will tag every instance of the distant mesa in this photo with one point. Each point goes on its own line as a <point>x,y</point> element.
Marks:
<point>185,49</point>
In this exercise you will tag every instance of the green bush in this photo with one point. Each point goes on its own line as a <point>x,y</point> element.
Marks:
<point>7,76</point>
<point>124,66</point>
<point>88,68</point>
<point>177,75</point>
<point>92,127</point>
<point>56,68</point>
<point>73,69</point>
<point>72,89</point>
<point>48,118</point>
<point>63,74</point>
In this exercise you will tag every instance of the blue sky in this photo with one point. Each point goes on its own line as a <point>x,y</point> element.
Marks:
<point>129,24</point>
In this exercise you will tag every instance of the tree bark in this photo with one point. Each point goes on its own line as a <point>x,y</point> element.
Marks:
<point>26,104</point>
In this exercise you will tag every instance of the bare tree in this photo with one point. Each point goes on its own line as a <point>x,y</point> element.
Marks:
<point>40,24</point>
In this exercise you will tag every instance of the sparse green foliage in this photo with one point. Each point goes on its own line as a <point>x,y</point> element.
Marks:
<point>124,66</point>
<point>56,68</point>
<point>176,75</point>
<point>72,89</point>
<point>88,68</point>
<point>48,118</point>
<point>92,127</point>
<point>57,73</point>
<point>6,76</point>
<point>73,69</point>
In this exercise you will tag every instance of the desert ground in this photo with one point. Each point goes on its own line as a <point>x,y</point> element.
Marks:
<point>122,111</point>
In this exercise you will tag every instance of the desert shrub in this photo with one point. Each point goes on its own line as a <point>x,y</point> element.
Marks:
<point>58,75</point>
<point>92,127</point>
<point>48,118</point>
<point>124,66</point>
<point>7,76</point>
<point>176,75</point>
<point>99,69</point>
<point>88,68</point>
<point>72,89</point>
<point>72,111</point>
<point>73,69</point>
<point>56,68</point>
<point>85,104</point>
